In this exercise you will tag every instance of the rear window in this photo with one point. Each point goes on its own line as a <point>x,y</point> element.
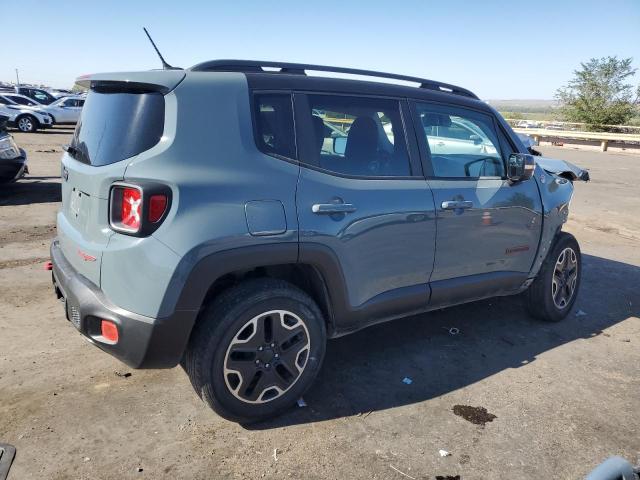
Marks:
<point>115,126</point>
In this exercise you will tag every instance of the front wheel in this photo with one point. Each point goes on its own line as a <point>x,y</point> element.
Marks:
<point>554,291</point>
<point>256,350</point>
<point>27,124</point>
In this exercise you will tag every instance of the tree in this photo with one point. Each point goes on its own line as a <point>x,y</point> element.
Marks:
<point>598,93</point>
<point>78,88</point>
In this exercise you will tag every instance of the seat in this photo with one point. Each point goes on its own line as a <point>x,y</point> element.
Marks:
<point>362,145</point>
<point>320,131</point>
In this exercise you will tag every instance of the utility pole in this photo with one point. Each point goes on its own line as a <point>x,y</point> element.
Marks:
<point>17,78</point>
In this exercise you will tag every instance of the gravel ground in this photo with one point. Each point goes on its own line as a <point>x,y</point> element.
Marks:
<point>554,399</point>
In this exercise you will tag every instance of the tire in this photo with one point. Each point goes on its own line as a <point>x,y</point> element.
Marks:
<point>27,123</point>
<point>553,293</point>
<point>245,328</point>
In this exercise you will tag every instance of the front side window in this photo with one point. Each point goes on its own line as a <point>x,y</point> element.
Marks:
<point>40,96</point>
<point>463,143</point>
<point>274,124</point>
<point>357,136</point>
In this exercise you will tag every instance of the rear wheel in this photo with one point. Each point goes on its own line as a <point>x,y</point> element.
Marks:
<point>27,123</point>
<point>554,291</point>
<point>256,350</point>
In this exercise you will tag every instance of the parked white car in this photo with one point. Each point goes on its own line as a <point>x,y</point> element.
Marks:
<point>63,110</point>
<point>24,118</point>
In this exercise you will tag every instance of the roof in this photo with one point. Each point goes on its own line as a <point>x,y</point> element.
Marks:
<point>290,70</point>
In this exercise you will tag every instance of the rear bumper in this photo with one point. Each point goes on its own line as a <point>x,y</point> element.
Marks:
<point>144,342</point>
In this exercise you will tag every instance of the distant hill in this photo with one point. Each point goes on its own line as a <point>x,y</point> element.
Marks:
<point>523,105</point>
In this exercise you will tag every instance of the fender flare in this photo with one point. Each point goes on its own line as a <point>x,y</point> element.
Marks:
<point>193,278</point>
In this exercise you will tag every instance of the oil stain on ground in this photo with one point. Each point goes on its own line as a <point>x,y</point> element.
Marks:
<point>475,415</point>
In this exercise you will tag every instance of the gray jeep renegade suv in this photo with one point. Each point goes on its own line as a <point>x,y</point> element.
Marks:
<point>232,217</point>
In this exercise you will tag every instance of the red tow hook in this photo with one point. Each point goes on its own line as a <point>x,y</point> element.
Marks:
<point>48,265</point>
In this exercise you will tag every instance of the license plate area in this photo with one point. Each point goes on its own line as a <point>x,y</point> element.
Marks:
<point>75,202</point>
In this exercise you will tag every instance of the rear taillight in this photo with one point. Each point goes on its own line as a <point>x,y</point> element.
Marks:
<point>138,209</point>
<point>131,207</point>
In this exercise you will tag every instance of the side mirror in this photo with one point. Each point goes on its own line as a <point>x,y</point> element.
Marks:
<point>339,145</point>
<point>477,139</point>
<point>520,167</point>
<point>3,123</point>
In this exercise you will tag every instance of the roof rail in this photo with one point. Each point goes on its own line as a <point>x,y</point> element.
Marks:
<point>300,69</point>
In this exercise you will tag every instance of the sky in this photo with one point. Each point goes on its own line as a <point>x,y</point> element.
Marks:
<point>498,49</point>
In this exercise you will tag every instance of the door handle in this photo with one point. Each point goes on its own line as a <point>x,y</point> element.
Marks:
<point>329,208</point>
<point>454,205</point>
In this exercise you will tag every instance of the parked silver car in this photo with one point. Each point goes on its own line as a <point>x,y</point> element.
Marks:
<point>65,109</point>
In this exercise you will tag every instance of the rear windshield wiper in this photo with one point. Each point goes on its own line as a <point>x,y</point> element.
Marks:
<point>75,153</point>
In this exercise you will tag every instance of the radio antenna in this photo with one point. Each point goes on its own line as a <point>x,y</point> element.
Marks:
<point>165,65</point>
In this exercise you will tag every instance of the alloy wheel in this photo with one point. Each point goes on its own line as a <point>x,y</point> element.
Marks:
<point>565,277</point>
<point>267,356</point>
<point>25,124</point>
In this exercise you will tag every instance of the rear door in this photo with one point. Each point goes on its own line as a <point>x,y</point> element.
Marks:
<point>487,228</point>
<point>363,198</point>
<point>115,126</point>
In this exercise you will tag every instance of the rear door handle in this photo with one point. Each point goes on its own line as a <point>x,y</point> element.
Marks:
<point>454,205</point>
<point>329,208</point>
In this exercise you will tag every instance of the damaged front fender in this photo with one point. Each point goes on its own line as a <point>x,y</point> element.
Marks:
<point>556,192</point>
<point>563,169</point>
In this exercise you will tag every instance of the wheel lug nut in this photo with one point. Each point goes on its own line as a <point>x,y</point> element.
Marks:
<point>277,356</point>
<point>260,348</point>
<point>273,345</point>
<point>267,365</point>
<point>257,362</point>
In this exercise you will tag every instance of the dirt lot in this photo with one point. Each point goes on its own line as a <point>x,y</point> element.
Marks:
<point>565,396</point>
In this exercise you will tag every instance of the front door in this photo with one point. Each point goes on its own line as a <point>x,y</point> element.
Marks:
<point>488,229</point>
<point>362,199</point>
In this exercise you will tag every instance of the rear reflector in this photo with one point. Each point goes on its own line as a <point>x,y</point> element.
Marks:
<point>109,331</point>
<point>157,206</point>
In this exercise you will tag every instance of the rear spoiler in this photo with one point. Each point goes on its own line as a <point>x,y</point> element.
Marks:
<point>162,81</point>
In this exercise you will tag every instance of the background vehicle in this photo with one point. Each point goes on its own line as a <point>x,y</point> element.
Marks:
<point>38,94</point>
<point>18,99</point>
<point>555,126</point>
<point>527,124</point>
<point>172,246</point>
<point>13,160</point>
<point>65,109</point>
<point>24,118</point>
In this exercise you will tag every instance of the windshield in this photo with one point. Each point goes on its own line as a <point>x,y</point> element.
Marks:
<point>116,126</point>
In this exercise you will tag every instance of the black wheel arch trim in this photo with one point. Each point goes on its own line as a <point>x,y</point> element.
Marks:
<point>194,283</point>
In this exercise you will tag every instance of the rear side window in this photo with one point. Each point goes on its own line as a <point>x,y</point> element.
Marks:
<point>116,126</point>
<point>274,124</point>
<point>462,143</point>
<point>357,136</point>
